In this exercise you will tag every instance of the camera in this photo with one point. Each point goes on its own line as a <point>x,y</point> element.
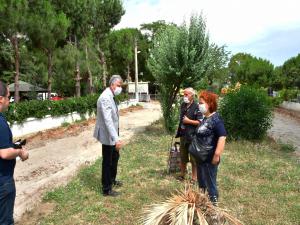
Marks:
<point>19,143</point>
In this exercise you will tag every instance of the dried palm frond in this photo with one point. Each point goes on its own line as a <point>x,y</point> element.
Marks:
<point>187,207</point>
<point>201,217</point>
<point>158,213</point>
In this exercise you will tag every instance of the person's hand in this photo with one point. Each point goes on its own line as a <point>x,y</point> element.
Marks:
<point>24,154</point>
<point>185,120</point>
<point>215,160</point>
<point>119,145</point>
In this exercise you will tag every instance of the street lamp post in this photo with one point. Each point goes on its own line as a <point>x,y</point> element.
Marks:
<point>136,70</point>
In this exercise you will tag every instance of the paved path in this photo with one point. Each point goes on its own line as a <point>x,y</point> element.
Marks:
<point>286,128</point>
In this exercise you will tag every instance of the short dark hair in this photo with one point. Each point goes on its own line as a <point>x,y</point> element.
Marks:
<point>3,89</point>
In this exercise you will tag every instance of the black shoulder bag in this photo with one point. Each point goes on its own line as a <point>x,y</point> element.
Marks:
<point>199,151</point>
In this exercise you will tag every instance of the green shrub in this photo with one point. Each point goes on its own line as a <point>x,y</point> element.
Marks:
<point>276,101</point>
<point>39,109</point>
<point>171,118</point>
<point>285,95</point>
<point>288,94</point>
<point>247,113</point>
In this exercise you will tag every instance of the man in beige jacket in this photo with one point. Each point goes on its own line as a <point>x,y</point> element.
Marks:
<point>107,133</point>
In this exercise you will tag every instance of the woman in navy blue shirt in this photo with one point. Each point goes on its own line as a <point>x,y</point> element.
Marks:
<point>212,134</point>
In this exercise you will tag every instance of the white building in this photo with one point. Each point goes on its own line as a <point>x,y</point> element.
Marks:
<point>143,91</point>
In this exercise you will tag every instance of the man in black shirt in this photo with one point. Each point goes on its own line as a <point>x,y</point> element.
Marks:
<point>8,156</point>
<point>190,118</point>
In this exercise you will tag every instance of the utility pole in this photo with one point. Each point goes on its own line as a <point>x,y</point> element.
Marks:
<point>136,70</point>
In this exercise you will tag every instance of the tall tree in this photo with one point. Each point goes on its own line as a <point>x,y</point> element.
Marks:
<point>120,52</point>
<point>46,28</point>
<point>121,48</point>
<point>218,61</point>
<point>291,72</point>
<point>6,60</point>
<point>108,14</point>
<point>78,13</point>
<point>64,61</point>
<point>245,68</point>
<point>277,80</point>
<point>12,23</point>
<point>90,17</point>
<point>180,54</point>
<point>154,28</point>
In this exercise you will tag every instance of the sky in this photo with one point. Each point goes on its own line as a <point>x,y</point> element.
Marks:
<point>269,29</point>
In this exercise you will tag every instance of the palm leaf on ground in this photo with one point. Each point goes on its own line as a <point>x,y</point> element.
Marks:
<point>187,207</point>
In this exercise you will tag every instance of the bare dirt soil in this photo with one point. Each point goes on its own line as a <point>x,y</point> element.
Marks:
<point>286,128</point>
<point>56,155</point>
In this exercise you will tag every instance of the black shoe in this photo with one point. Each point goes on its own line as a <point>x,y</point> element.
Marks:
<point>110,193</point>
<point>118,183</point>
<point>214,200</point>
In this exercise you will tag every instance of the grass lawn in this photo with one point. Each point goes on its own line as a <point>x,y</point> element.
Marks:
<point>258,183</point>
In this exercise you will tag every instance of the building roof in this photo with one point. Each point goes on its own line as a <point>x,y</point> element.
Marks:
<point>25,87</point>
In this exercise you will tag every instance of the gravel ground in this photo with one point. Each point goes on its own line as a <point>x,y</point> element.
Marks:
<point>56,155</point>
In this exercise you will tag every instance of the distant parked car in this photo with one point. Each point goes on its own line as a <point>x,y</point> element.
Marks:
<point>44,96</point>
<point>56,98</point>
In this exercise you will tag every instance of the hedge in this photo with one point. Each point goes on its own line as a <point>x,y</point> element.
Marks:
<point>39,109</point>
<point>247,113</point>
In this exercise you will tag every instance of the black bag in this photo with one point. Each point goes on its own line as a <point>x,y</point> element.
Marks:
<point>174,158</point>
<point>199,151</point>
<point>19,143</point>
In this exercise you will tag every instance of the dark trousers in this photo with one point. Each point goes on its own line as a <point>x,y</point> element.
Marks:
<point>7,202</point>
<point>207,179</point>
<point>110,158</point>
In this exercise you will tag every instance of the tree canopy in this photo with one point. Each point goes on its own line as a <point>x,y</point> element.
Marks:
<point>291,72</point>
<point>71,47</point>
<point>181,55</point>
<point>245,68</point>
<point>30,27</point>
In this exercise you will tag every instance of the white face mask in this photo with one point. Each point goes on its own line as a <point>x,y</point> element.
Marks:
<point>186,100</point>
<point>118,90</point>
<point>202,108</point>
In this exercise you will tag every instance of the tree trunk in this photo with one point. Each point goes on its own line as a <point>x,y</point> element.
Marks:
<point>77,79</point>
<point>128,73</point>
<point>14,42</point>
<point>49,55</point>
<point>104,67</point>
<point>172,97</point>
<point>90,79</point>
<point>77,75</point>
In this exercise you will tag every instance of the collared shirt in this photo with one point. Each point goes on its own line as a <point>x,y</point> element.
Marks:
<point>6,166</point>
